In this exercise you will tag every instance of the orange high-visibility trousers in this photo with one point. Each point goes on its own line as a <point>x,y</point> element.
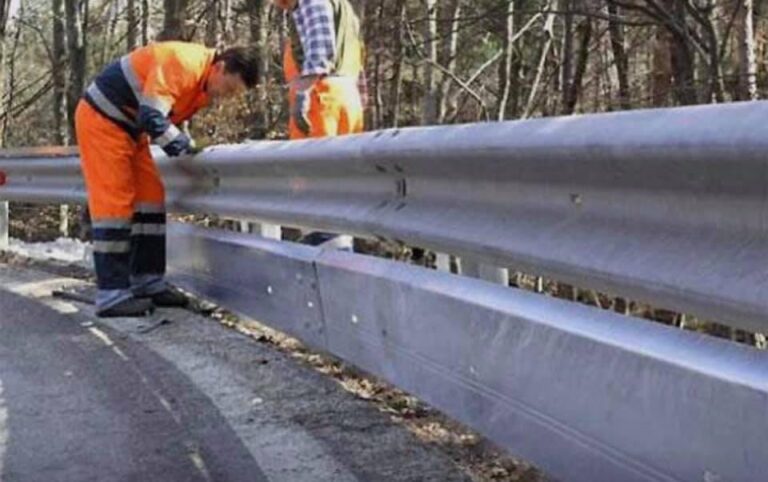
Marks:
<point>126,200</point>
<point>119,171</point>
<point>335,109</point>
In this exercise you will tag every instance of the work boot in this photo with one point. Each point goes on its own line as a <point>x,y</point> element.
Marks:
<point>132,307</point>
<point>169,298</point>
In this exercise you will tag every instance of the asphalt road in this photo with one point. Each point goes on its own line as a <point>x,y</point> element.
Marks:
<point>84,400</point>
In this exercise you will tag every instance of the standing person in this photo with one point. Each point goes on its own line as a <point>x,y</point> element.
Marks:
<point>139,98</point>
<point>323,65</point>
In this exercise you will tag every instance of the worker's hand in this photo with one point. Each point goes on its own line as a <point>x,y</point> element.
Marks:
<point>178,146</point>
<point>300,111</point>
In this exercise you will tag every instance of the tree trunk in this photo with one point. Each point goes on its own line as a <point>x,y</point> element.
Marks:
<point>76,49</point>
<point>144,22</point>
<point>59,74</point>
<point>747,59</point>
<point>661,72</point>
<point>715,88</point>
<point>226,22</point>
<point>259,26</point>
<point>378,101</point>
<point>448,54</point>
<point>566,65</point>
<point>549,24</point>
<point>397,76</point>
<point>11,83</point>
<point>505,67</point>
<point>211,23</point>
<point>430,107</point>
<point>174,20</point>
<point>619,54</point>
<point>683,61</point>
<point>574,88</point>
<point>131,37</point>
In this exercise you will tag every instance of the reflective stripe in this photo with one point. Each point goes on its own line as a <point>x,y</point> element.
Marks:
<point>132,78</point>
<point>171,134</point>
<point>107,106</point>
<point>112,224</point>
<point>111,247</point>
<point>149,208</point>
<point>157,104</point>
<point>152,229</point>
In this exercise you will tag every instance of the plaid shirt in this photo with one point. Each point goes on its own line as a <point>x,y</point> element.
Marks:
<point>314,23</point>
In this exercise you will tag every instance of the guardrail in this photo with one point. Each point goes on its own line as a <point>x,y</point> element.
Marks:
<point>665,206</point>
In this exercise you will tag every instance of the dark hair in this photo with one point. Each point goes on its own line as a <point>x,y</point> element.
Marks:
<point>242,61</point>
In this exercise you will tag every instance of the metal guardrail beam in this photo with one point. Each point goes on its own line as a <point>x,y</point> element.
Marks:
<point>664,206</point>
<point>585,394</point>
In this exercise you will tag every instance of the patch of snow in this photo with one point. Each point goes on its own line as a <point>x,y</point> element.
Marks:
<point>68,250</point>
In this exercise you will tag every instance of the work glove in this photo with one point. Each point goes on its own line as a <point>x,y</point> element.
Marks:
<point>301,110</point>
<point>179,146</point>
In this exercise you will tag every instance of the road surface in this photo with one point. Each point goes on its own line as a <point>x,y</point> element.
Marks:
<point>82,400</point>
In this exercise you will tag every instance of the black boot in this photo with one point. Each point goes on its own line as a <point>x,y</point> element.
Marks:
<point>132,307</point>
<point>169,298</point>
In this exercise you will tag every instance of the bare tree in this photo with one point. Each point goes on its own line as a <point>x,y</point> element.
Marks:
<point>260,31</point>
<point>747,71</point>
<point>11,81</point>
<point>132,24</point>
<point>618,47</point>
<point>75,17</point>
<point>448,54</point>
<point>397,76</point>
<point>144,22</point>
<point>431,93</point>
<point>573,88</point>
<point>59,74</point>
<point>506,66</point>
<point>211,27</point>
<point>549,24</point>
<point>174,20</point>
<point>566,54</point>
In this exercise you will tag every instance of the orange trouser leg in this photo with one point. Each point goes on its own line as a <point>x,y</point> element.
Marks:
<point>148,240</point>
<point>117,178</point>
<point>336,109</point>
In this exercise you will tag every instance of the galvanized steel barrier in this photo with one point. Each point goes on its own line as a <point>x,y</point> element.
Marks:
<point>663,206</point>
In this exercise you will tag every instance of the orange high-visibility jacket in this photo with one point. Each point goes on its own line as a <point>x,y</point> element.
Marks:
<point>153,88</point>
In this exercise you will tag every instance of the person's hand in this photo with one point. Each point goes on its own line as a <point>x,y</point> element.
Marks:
<point>178,146</point>
<point>301,109</point>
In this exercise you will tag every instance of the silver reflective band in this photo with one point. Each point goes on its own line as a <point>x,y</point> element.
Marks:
<point>148,229</point>
<point>149,208</point>
<point>111,246</point>
<point>131,78</point>
<point>171,133</point>
<point>112,224</point>
<point>106,106</point>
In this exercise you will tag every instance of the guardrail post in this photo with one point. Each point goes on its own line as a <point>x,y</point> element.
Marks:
<point>485,272</point>
<point>443,262</point>
<point>4,225</point>
<point>266,230</point>
<point>64,220</point>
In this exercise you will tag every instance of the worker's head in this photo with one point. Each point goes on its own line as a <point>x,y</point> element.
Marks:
<point>234,70</point>
<point>285,4</point>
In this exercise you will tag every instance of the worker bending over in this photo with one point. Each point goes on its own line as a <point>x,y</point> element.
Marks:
<point>323,65</point>
<point>139,98</point>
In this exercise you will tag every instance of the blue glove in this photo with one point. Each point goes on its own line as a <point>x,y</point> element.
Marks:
<point>179,146</point>
<point>301,111</point>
